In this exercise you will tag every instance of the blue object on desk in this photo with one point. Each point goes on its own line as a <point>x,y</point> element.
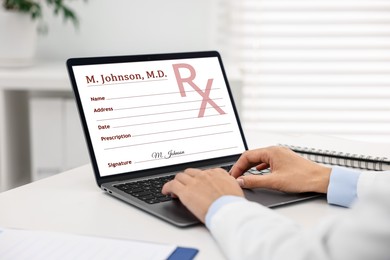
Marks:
<point>183,253</point>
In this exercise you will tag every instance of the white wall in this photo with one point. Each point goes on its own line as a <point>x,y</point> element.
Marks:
<point>129,27</point>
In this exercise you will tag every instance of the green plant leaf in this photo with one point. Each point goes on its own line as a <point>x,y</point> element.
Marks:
<point>34,9</point>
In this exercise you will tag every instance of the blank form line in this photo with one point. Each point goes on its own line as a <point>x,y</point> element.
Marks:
<point>166,104</point>
<point>162,113</point>
<point>127,82</point>
<point>158,94</point>
<point>168,140</point>
<point>164,121</point>
<point>176,130</point>
<point>181,155</point>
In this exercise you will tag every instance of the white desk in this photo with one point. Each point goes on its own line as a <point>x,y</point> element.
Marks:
<point>71,202</point>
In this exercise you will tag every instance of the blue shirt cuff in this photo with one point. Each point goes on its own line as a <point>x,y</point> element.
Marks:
<point>342,189</point>
<point>221,201</point>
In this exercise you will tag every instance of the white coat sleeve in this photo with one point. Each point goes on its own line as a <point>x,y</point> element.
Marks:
<point>247,230</point>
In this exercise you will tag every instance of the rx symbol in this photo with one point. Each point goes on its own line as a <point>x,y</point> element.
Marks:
<point>190,80</point>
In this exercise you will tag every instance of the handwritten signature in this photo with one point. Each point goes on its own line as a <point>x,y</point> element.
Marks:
<point>166,155</point>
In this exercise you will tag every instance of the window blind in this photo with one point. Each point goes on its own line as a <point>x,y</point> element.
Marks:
<point>311,66</point>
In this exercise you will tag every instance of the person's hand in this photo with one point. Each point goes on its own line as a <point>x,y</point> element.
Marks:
<point>198,189</point>
<point>289,171</point>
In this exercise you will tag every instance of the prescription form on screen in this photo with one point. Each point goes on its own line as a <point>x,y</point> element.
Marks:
<point>149,114</point>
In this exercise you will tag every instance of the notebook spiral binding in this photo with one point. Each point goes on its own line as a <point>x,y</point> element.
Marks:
<point>342,159</point>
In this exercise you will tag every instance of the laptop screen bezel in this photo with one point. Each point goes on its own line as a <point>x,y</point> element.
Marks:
<point>72,62</point>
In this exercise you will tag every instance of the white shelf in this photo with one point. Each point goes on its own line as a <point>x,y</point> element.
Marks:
<point>43,76</point>
<point>16,86</point>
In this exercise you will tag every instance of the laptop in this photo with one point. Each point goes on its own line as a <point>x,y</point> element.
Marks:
<point>148,117</point>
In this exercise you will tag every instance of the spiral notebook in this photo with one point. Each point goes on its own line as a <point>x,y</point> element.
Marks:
<point>342,152</point>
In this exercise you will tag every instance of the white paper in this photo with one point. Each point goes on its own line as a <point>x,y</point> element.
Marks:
<point>25,244</point>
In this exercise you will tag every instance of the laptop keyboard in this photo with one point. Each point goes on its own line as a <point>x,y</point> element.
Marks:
<point>148,190</point>
<point>227,167</point>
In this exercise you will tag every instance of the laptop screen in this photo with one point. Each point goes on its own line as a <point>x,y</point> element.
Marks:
<point>148,114</point>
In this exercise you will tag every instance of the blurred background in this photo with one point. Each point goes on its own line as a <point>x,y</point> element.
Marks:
<point>295,66</point>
